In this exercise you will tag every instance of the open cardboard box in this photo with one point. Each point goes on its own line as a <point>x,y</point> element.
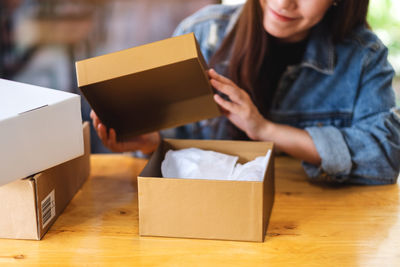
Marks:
<point>29,206</point>
<point>34,119</point>
<point>211,209</point>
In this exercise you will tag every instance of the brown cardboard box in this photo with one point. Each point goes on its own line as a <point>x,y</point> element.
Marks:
<point>28,207</point>
<point>211,209</point>
<point>147,88</point>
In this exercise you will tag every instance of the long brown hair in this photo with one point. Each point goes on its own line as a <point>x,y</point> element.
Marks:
<point>247,43</point>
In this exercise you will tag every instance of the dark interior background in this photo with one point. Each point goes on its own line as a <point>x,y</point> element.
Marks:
<point>40,40</point>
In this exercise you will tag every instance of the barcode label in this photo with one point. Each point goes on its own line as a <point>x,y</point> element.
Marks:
<point>48,209</point>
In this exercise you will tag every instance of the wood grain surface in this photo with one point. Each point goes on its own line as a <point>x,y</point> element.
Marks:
<point>311,225</point>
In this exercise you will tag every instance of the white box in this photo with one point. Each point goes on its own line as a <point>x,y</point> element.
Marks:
<point>39,128</point>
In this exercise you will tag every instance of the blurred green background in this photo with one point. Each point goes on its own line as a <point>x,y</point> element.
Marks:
<point>384,18</point>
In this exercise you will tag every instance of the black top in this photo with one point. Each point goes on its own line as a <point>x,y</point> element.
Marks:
<point>279,56</point>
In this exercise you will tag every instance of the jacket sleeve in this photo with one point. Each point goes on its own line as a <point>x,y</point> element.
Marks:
<point>368,152</point>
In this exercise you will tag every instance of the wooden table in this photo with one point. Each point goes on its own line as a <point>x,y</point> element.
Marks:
<point>311,225</point>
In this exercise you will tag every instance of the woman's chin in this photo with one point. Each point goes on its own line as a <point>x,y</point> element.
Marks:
<point>285,35</point>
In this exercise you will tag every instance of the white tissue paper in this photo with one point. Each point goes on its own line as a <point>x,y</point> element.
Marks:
<point>253,170</point>
<point>194,163</point>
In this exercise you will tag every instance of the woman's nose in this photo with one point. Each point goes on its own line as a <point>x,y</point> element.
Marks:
<point>286,4</point>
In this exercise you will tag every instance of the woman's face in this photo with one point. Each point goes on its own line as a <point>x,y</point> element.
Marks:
<point>291,20</point>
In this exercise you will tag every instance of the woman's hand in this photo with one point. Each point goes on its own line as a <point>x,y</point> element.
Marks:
<point>241,111</point>
<point>147,143</point>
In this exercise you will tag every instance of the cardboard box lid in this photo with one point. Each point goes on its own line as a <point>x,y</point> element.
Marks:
<point>39,126</point>
<point>148,88</point>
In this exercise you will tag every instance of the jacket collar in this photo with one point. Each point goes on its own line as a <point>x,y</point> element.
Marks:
<point>233,19</point>
<point>320,51</point>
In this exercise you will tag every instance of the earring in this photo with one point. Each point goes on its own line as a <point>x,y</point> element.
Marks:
<point>335,2</point>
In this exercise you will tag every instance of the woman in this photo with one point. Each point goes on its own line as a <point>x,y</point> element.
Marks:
<point>307,75</point>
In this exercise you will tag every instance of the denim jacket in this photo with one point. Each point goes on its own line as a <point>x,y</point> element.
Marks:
<point>341,94</point>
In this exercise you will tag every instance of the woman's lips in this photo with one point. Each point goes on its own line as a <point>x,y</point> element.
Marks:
<point>280,17</point>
